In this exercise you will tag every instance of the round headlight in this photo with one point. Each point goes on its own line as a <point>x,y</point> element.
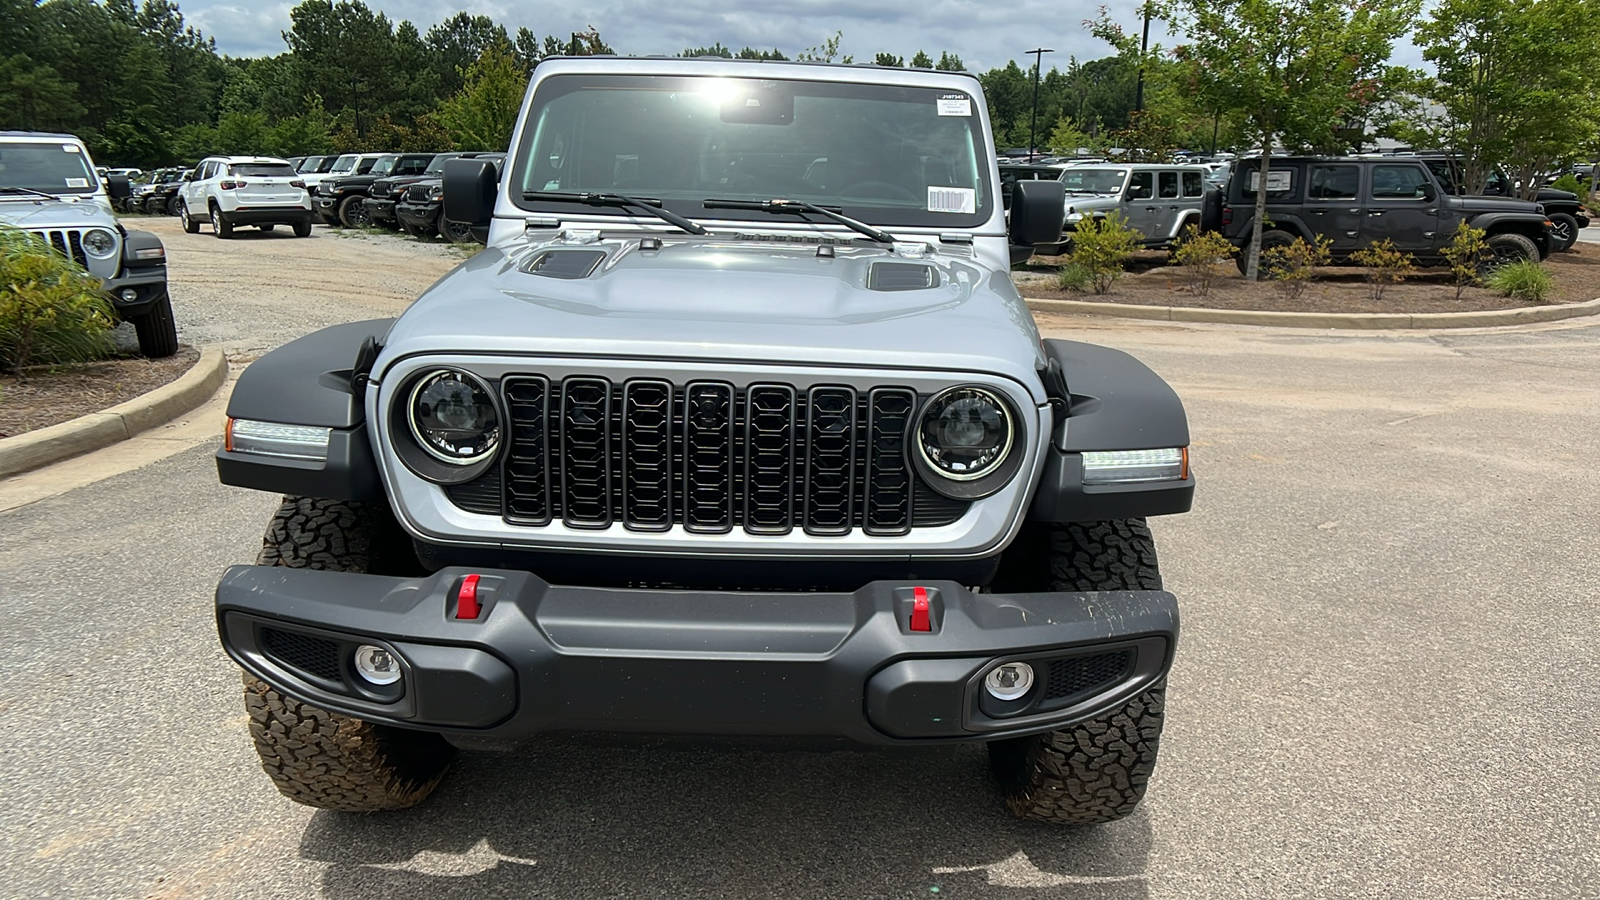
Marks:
<point>965,433</point>
<point>453,417</point>
<point>99,242</point>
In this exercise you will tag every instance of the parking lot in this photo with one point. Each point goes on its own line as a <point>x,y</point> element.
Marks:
<point>1384,686</point>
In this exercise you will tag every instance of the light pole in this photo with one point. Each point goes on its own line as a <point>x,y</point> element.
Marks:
<point>1033,127</point>
<point>1144,47</point>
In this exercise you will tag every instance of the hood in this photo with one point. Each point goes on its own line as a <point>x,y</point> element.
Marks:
<point>721,299</point>
<point>1488,203</point>
<point>37,213</point>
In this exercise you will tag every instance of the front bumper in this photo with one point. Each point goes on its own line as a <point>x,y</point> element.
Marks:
<point>380,210</point>
<point>541,657</point>
<point>417,215</point>
<point>148,282</point>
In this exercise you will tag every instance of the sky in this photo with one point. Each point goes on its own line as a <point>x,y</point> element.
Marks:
<point>983,34</point>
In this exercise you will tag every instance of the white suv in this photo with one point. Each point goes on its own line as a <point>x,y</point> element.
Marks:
<point>245,190</point>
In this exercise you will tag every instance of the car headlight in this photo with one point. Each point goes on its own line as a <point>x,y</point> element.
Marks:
<point>99,243</point>
<point>453,417</point>
<point>964,440</point>
<point>1073,215</point>
<point>436,192</point>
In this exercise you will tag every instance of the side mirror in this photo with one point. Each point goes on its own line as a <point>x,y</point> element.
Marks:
<point>1428,193</point>
<point>470,187</point>
<point>117,186</point>
<point>1037,210</point>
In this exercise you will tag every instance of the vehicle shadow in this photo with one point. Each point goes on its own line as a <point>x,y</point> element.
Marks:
<point>570,818</point>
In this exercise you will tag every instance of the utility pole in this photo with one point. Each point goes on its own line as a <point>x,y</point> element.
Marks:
<point>1033,127</point>
<point>1144,47</point>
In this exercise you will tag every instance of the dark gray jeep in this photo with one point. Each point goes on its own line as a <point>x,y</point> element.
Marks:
<point>737,427</point>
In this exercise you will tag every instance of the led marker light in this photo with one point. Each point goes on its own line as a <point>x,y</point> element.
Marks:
<point>1135,466</point>
<point>279,441</point>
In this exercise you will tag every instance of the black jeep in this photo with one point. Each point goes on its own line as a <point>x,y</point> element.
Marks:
<point>1566,212</point>
<point>342,199</point>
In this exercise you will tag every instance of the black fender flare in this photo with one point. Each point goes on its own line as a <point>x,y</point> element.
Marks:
<point>310,381</point>
<point>1113,402</point>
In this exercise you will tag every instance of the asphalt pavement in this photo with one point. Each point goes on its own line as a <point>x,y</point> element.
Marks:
<point>1589,235</point>
<point>1385,685</point>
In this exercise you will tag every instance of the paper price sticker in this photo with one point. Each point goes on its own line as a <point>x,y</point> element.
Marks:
<point>952,200</point>
<point>77,182</point>
<point>955,105</point>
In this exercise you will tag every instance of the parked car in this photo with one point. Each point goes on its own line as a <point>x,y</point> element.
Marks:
<point>1566,213</point>
<point>335,166</point>
<point>385,192</point>
<point>341,199</point>
<point>419,209</point>
<point>798,468</point>
<point>259,191</point>
<point>50,187</point>
<point>159,196</point>
<point>1159,200</point>
<point>1356,201</point>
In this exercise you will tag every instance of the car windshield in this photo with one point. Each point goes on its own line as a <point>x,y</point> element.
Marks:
<point>383,166</point>
<point>262,170</point>
<point>881,153</point>
<point>50,166</point>
<point>344,164</point>
<point>1094,181</point>
<point>436,165</point>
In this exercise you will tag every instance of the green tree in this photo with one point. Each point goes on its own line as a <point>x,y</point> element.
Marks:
<point>827,51</point>
<point>921,61</point>
<point>482,115</point>
<point>890,60</point>
<point>949,62</point>
<point>457,42</point>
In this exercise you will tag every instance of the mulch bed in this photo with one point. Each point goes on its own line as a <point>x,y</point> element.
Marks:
<point>51,395</point>
<point>1151,282</point>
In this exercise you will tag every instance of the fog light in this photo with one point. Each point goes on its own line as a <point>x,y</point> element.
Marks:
<point>377,664</point>
<point>129,295</point>
<point>1008,681</point>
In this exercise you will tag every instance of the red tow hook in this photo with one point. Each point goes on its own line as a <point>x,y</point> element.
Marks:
<point>919,610</point>
<point>467,606</point>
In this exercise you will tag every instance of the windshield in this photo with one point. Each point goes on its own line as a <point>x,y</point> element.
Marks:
<point>383,166</point>
<point>262,170</point>
<point>881,153</point>
<point>1094,181</point>
<point>344,164</point>
<point>436,166</point>
<point>52,167</point>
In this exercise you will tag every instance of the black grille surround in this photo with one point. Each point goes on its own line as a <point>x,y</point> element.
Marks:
<point>707,456</point>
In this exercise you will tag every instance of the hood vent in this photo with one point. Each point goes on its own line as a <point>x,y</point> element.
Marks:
<point>570,264</point>
<point>902,277</point>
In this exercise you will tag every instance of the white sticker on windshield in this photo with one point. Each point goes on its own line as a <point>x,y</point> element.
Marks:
<point>78,182</point>
<point>952,200</point>
<point>955,105</point>
<point>69,148</point>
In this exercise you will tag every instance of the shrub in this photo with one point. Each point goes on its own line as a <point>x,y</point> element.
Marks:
<point>1099,248</point>
<point>1200,253</point>
<point>1074,277</point>
<point>1570,182</point>
<point>1385,264</point>
<point>51,310</point>
<point>1466,255</point>
<point>1523,279</point>
<point>1291,265</point>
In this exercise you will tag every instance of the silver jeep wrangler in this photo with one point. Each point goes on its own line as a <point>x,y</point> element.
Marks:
<point>1159,201</point>
<point>736,427</point>
<point>49,186</point>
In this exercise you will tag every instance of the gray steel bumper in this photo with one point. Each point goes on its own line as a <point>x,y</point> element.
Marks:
<point>541,657</point>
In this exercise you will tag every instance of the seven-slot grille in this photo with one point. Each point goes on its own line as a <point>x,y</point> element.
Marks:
<point>707,456</point>
<point>68,243</point>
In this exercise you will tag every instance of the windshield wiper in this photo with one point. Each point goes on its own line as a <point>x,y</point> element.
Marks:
<point>648,204</point>
<point>801,207</point>
<point>22,190</point>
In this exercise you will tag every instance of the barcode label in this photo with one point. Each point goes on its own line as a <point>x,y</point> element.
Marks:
<point>952,200</point>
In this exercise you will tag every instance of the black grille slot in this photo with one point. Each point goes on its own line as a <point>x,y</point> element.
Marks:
<point>1084,675</point>
<point>315,656</point>
<point>66,243</point>
<point>708,457</point>
<point>647,455</point>
<point>830,460</point>
<point>481,495</point>
<point>527,464</point>
<point>379,189</point>
<point>888,486</point>
<point>769,475</point>
<point>931,509</point>
<point>586,452</point>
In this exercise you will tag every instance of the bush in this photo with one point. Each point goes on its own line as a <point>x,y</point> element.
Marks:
<point>1524,279</point>
<point>1074,277</point>
<point>1385,264</point>
<point>1200,253</point>
<point>1099,248</point>
<point>1291,265</point>
<point>51,310</point>
<point>1570,182</point>
<point>1466,255</point>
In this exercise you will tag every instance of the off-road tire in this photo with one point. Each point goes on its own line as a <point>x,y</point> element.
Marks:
<point>1270,238</point>
<point>156,330</point>
<point>325,759</point>
<point>302,229</point>
<point>1508,247</point>
<point>220,226</point>
<point>1563,231</point>
<point>353,212</point>
<point>1095,771</point>
<point>190,226</point>
<point>174,206</point>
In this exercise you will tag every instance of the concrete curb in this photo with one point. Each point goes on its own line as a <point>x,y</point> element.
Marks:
<point>37,449</point>
<point>1487,319</point>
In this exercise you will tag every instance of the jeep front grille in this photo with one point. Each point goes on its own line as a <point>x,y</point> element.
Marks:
<point>707,456</point>
<point>68,243</point>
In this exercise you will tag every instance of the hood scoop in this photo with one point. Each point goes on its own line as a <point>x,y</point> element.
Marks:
<point>887,276</point>
<point>568,264</point>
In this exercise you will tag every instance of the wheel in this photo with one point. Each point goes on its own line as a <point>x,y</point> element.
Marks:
<point>156,330</point>
<point>220,227</point>
<point>1095,771</point>
<point>1563,231</point>
<point>302,229</point>
<point>320,758</point>
<point>189,225</point>
<point>1508,248</point>
<point>455,232</point>
<point>353,213</point>
<point>1269,239</point>
<point>151,206</point>
<point>174,205</point>
<point>265,227</point>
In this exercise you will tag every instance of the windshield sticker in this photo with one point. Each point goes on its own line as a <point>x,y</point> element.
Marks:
<point>955,105</point>
<point>952,200</point>
<point>1276,181</point>
<point>69,148</point>
<point>77,182</point>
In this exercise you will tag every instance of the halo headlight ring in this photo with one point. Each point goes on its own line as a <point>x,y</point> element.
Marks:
<point>417,440</point>
<point>99,242</point>
<point>987,437</point>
